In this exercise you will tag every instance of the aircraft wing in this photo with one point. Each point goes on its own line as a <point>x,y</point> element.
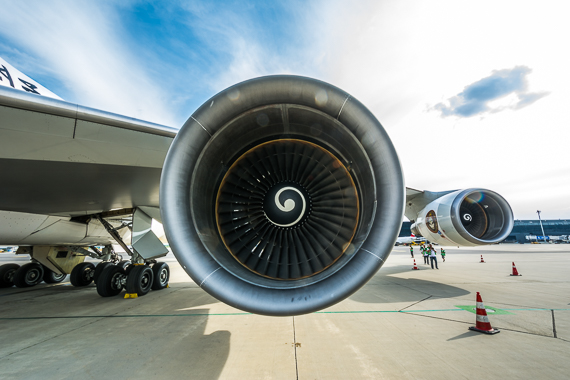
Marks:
<point>59,158</point>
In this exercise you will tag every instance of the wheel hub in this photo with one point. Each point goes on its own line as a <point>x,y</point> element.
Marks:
<point>163,276</point>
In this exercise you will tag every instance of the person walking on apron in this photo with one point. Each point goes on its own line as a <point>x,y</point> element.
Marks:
<point>442,255</point>
<point>432,256</point>
<point>412,251</point>
<point>426,255</point>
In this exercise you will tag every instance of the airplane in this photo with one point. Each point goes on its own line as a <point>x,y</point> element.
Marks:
<point>548,239</point>
<point>281,195</point>
<point>404,240</point>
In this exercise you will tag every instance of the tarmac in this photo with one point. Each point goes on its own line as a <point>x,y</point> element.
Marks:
<point>404,324</point>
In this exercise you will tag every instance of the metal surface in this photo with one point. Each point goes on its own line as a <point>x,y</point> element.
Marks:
<point>18,99</point>
<point>60,260</point>
<point>144,241</point>
<point>59,158</point>
<point>468,217</point>
<point>74,188</point>
<point>249,114</point>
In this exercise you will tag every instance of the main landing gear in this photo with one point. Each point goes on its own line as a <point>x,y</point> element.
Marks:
<point>27,275</point>
<point>138,275</point>
<point>136,279</point>
<point>110,278</point>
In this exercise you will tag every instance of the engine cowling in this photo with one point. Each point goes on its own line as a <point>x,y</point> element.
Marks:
<point>281,195</point>
<point>468,217</point>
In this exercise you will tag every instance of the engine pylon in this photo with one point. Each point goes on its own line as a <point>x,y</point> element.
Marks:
<point>482,323</point>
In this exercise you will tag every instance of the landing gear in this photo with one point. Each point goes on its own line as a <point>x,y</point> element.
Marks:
<point>82,274</point>
<point>7,275</point>
<point>50,277</point>
<point>161,273</point>
<point>100,268</point>
<point>29,274</point>
<point>140,280</point>
<point>126,265</point>
<point>111,281</point>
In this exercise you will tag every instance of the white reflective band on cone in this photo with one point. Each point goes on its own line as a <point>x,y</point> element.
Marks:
<point>482,318</point>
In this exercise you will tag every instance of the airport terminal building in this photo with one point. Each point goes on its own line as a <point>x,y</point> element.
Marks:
<point>522,228</point>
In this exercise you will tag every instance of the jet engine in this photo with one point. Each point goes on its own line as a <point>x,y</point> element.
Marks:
<point>468,217</point>
<point>281,195</point>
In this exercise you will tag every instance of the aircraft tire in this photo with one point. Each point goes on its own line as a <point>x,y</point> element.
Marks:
<point>124,264</point>
<point>7,275</point>
<point>140,280</point>
<point>50,277</point>
<point>161,273</point>
<point>108,283</point>
<point>81,274</point>
<point>28,275</point>
<point>99,269</point>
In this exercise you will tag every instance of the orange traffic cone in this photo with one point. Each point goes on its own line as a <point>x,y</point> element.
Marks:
<point>482,321</point>
<point>482,259</point>
<point>415,266</point>
<point>515,271</point>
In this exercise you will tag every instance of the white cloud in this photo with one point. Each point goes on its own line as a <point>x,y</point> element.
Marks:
<point>242,36</point>
<point>84,45</point>
<point>399,58</point>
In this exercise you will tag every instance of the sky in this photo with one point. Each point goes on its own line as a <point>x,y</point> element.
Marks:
<point>472,94</point>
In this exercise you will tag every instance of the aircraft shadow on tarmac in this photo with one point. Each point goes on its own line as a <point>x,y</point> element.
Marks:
<point>384,288</point>
<point>143,328</point>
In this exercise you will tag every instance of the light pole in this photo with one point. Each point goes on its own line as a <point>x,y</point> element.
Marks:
<point>542,228</point>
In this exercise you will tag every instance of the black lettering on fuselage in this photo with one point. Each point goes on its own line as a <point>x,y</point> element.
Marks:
<point>29,87</point>
<point>4,71</point>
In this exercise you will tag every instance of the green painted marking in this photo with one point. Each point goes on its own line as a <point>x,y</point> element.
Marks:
<point>490,310</point>
<point>469,308</point>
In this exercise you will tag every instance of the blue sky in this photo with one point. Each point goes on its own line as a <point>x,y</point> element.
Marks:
<point>477,90</point>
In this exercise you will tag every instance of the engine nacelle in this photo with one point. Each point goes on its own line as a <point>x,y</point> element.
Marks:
<point>469,217</point>
<point>281,195</point>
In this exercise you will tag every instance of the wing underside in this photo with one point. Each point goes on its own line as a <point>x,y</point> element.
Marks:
<point>59,158</point>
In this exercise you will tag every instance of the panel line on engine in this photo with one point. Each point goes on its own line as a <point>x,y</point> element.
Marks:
<point>341,108</point>
<point>208,276</point>
<point>204,128</point>
<point>378,257</point>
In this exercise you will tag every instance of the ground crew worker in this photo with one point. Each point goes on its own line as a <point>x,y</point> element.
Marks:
<point>443,255</point>
<point>426,255</point>
<point>432,256</point>
<point>412,251</point>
